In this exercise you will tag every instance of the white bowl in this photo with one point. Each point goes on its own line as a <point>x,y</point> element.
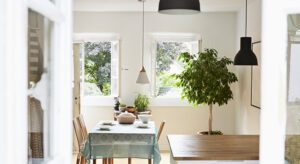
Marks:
<point>144,118</point>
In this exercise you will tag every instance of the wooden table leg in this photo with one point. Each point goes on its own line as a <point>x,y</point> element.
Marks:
<point>82,160</point>
<point>110,161</point>
<point>129,160</point>
<point>149,161</point>
<point>94,161</point>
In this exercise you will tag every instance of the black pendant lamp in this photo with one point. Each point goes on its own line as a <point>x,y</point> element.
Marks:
<point>245,56</point>
<point>142,77</point>
<point>175,7</point>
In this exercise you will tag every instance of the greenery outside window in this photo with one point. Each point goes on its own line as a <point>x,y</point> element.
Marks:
<point>166,64</point>
<point>99,68</point>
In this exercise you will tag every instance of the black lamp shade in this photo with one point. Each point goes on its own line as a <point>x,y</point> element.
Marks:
<point>175,7</point>
<point>245,56</point>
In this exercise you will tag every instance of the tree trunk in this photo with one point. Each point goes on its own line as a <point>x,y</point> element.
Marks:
<point>210,120</point>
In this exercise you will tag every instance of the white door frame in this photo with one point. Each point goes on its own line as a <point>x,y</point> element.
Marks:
<point>274,78</point>
<point>13,83</point>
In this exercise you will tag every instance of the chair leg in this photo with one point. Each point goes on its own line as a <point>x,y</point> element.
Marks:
<point>82,160</point>
<point>149,161</point>
<point>94,161</point>
<point>78,159</point>
<point>104,160</point>
<point>129,160</point>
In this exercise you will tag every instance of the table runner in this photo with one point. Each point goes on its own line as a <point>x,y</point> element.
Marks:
<point>123,141</point>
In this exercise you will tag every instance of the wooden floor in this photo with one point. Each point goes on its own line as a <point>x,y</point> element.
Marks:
<point>165,159</point>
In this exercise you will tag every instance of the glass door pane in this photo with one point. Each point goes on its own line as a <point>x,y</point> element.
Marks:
<point>292,144</point>
<point>39,86</point>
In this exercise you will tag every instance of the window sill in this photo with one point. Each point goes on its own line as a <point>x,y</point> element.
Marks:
<point>98,101</point>
<point>168,101</point>
<point>109,101</point>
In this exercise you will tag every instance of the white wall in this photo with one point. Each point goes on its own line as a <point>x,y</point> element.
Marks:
<point>218,30</point>
<point>248,117</point>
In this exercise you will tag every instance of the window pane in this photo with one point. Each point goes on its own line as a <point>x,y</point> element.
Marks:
<point>97,68</point>
<point>39,85</point>
<point>167,65</point>
<point>292,143</point>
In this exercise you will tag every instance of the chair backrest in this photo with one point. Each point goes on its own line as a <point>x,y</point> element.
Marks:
<point>161,127</point>
<point>83,127</point>
<point>78,131</point>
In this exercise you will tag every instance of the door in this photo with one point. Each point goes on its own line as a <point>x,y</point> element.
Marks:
<point>77,74</point>
<point>274,78</point>
<point>76,89</point>
<point>36,81</point>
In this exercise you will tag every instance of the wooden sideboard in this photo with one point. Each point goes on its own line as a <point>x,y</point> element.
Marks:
<point>207,148</point>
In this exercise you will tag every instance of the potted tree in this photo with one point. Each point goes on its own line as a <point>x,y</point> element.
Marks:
<point>206,80</point>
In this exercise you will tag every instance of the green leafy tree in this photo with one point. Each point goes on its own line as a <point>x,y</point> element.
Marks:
<point>97,65</point>
<point>206,79</point>
<point>167,52</point>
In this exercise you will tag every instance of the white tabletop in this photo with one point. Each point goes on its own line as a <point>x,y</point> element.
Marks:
<point>117,128</point>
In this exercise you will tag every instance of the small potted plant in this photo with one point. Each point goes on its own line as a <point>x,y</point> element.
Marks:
<point>141,102</point>
<point>122,107</point>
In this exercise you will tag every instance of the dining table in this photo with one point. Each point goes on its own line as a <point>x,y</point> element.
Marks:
<point>122,141</point>
<point>214,149</point>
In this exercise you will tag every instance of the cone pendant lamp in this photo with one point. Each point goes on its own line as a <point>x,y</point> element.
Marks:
<point>175,7</point>
<point>245,56</point>
<point>143,78</point>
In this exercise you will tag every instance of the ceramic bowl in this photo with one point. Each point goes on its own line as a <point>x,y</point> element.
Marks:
<point>144,118</point>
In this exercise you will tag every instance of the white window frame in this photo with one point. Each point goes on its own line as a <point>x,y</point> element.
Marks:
<point>13,66</point>
<point>168,37</point>
<point>98,37</point>
<point>274,78</point>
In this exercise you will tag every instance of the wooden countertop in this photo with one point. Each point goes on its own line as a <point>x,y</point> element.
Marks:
<point>224,147</point>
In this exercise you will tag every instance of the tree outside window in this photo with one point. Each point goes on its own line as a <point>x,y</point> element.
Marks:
<point>97,68</point>
<point>167,64</point>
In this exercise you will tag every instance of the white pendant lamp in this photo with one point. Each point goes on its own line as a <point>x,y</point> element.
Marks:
<point>143,78</point>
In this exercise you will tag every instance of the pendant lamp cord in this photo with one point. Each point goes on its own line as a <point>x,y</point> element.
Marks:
<point>143,36</point>
<point>246,14</point>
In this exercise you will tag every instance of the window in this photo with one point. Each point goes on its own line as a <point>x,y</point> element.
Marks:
<point>167,64</point>
<point>99,68</point>
<point>294,70</point>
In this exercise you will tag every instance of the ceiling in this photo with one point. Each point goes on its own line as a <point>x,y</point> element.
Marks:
<point>151,5</point>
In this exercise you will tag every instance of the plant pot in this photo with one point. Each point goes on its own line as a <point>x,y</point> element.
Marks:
<point>122,109</point>
<point>217,132</point>
<point>131,109</point>
<point>141,110</point>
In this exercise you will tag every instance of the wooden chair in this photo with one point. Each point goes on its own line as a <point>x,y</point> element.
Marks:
<point>83,127</point>
<point>161,127</point>
<point>85,137</point>
<point>80,140</point>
